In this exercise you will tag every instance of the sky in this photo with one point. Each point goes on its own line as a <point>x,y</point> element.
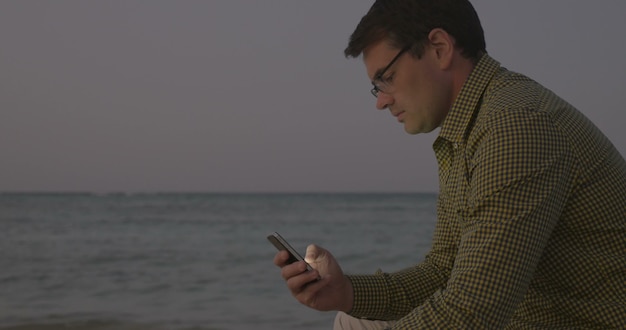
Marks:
<point>253,96</point>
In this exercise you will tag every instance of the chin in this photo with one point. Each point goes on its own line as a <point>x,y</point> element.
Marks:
<point>417,130</point>
<point>412,131</point>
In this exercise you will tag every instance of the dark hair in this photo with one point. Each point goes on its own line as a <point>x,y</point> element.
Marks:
<point>408,23</point>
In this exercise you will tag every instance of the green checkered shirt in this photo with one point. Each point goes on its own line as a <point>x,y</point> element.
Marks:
<point>531,229</point>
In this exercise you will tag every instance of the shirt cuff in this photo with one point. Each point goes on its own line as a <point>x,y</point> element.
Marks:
<point>370,296</point>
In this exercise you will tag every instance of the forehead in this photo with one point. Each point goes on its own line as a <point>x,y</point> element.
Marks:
<point>377,56</point>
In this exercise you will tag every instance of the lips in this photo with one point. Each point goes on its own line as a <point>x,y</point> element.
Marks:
<point>399,115</point>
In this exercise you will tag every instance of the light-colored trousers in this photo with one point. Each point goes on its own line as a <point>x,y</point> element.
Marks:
<point>344,321</point>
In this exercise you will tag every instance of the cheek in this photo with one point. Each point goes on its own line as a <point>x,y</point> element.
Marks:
<point>439,89</point>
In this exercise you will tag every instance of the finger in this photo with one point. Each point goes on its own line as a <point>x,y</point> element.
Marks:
<point>294,269</point>
<point>309,295</point>
<point>300,282</point>
<point>314,252</point>
<point>317,284</point>
<point>280,259</point>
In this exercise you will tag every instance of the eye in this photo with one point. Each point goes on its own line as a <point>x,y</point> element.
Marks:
<point>388,79</point>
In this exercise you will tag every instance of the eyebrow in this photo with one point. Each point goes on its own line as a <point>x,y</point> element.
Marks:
<point>379,72</point>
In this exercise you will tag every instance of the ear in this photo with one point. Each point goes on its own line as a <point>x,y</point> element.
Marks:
<point>442,45</point>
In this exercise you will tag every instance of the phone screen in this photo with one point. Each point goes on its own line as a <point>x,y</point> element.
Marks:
<point>281,244</point>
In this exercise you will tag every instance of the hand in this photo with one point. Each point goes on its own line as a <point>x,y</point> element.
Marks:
<point>332,291</point>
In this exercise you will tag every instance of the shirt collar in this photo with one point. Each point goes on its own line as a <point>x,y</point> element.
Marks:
<point>466,104</point>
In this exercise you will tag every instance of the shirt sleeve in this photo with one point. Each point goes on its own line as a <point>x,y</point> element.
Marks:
<point>385,296</point>
<point>516,187</point>
<point>518,183</point>
<point>390,296</point>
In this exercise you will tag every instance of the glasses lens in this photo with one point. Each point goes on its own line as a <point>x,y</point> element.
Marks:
<point>379,86</point>
<point>374,91</point>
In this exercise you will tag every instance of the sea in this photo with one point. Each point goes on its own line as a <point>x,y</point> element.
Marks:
<point>188,261</point>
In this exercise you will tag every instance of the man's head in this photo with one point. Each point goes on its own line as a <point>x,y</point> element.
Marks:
<point>418,54</point>
<point>408,23</point>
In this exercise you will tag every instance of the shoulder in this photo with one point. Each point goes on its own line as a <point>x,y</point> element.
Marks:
<point>514,91</point>
<point>513,100</point>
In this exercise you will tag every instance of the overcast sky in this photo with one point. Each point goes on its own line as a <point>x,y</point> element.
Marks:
<point>253,96</point>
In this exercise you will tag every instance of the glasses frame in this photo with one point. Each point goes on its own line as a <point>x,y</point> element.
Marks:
<point>378,81</point>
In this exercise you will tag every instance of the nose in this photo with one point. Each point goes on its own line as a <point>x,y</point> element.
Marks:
<point>383,101</point>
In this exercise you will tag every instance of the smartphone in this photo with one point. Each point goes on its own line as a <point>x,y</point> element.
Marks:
<point>281,244</point>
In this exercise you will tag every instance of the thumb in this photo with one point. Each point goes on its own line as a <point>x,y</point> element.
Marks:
<point>314,253</point>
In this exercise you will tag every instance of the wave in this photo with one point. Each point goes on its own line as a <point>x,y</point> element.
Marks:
<point>73,323</point>
<point>81,325</point>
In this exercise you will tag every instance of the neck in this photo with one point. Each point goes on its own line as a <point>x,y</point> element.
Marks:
<point>463,67</point>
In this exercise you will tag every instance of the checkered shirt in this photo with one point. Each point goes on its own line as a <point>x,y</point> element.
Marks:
<point>531,219</point>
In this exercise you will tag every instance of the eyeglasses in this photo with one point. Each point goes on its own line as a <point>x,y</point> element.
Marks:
<point>380,84</point>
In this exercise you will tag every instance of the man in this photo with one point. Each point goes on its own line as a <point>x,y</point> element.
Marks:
<point>531,216</point>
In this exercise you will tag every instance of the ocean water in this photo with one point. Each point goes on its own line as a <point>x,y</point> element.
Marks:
<point>189,261</point>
